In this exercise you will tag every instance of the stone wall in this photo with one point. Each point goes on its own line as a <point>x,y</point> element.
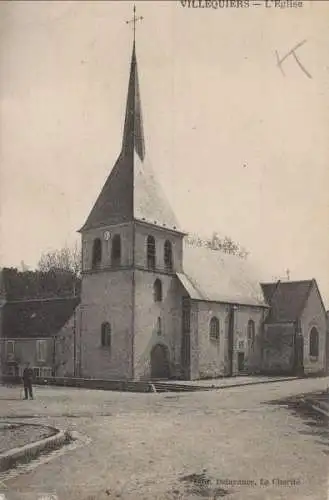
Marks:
<point>150,315</point>
<point>106,297</point>
<point>278,348</point>
<point>314,315</point>
<point>64,347</point>
<point>213,355</point>
<point>252,350</point>
<point>160,235</point>
<point>26,351</point>
<point>125,232</point>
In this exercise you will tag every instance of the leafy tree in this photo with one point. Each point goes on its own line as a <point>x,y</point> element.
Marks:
<point>19,285</point>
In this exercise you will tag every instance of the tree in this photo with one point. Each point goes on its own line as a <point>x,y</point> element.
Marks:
<point>226,245</point>
<point>65,259</point>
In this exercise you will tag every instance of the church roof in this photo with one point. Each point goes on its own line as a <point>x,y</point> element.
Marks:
<point>287,299</point>
<point>214,276</point>
<point>131,192</point>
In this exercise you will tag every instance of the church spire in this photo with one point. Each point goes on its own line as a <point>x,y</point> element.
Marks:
<point>131,192</point>
<point>133,132</point>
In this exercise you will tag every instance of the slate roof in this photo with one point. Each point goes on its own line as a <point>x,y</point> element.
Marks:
<point>288,299</point>
<point>36,318</point>
<point>268,290</point>
<point>214,276</point>
<point>150,202</point>
<point>131,190</point>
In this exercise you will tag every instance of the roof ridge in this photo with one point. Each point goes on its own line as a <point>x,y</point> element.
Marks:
<point>286,282</point>
<point>45,299</point>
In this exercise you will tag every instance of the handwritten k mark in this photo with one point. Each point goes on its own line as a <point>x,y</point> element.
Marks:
<point>292,52</point>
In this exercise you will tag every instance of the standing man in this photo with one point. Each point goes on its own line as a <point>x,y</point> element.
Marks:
<point>27,381</point>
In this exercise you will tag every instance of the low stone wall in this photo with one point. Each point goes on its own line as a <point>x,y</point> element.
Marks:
<point>30,451</point>
<point>13,435</point>
<point>110,385</point>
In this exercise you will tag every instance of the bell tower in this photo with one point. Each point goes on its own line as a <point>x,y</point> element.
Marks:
<point>131,250</point>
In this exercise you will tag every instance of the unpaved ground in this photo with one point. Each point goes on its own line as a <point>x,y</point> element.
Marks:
<point>228,444</point>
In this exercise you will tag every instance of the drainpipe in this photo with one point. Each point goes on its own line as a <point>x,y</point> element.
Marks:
<point>80,341</point>
<point>262,339</point>
<point>133,303</point>
<point>54,355</point>
<point>231,339</point>
<point>74,344</point>
<point>298,366</point>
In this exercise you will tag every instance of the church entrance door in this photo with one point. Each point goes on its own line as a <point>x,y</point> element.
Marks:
<point>160,362</point>
<point>240,361</point>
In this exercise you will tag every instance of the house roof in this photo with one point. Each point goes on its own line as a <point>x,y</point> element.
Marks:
<point>214,276</point>
<point>287,299</point>
<point>131,191</point>
<point>36,318</point>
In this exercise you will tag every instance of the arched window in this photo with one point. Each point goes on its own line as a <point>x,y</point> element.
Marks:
<point>168,260</point>
<point>116,250</point>
<point>214,328</point>
<point>251,333</point>
<point>157,291</point>
<point>314,343</point>
<point>159,326</point>
<point>97,253</point>
<point>106,335</point>
<point>150,252</point>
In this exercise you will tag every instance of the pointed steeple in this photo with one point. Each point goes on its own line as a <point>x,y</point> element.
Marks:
<point>133,133</point>
<point>131,191</point>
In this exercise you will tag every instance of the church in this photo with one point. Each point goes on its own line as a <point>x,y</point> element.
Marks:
<point>152,305</point>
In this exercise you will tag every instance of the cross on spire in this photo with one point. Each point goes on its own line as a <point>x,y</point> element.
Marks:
<point>134,21</point>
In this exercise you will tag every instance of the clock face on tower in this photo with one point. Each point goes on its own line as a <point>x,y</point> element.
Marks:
<point>107,235</point>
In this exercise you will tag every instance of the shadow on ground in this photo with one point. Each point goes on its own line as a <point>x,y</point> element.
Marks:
<point>316,422</point>
<point>199,485</point>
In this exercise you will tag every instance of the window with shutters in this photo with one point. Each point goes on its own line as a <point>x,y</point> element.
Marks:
<point>10,349</point>
<point>41,350</point>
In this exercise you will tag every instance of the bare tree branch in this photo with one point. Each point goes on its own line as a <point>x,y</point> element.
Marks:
<point>226,245</point>
<point>65,259</point>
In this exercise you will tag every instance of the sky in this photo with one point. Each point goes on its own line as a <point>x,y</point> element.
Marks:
<point>239,147</point>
